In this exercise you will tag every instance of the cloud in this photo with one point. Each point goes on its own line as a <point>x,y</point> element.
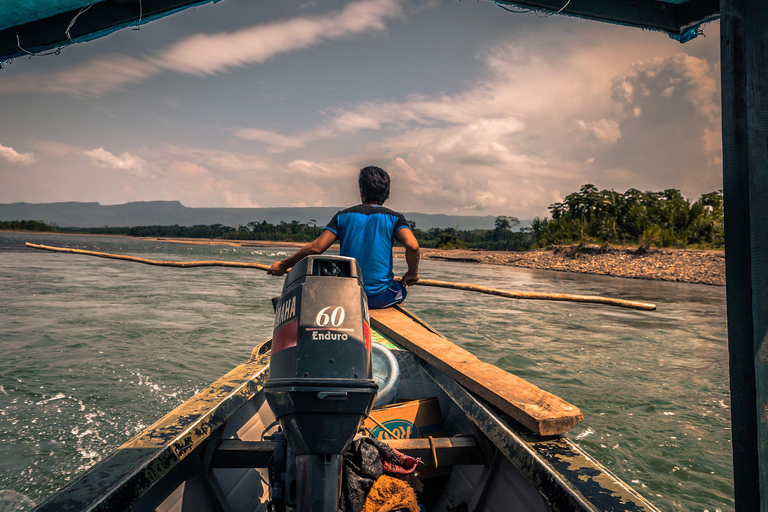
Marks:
<point>604,130</point>
<point>532,125</point>
<point>235,200</point>
<point>406,170</point>
<point>206,54</point>
<point>92,78</point>
<point>536,117</point>
<point>58,149</point>
<point>14,157</point>
<point>209,54</point>
<point>679,81</point>
<point>198,177</point>
<point>670,124</point>
<point>536,123</point>
<point>309,168</point>
<point>107,73</point>
<point>134,165</point>
<point>354,121</point>
<point>517,85</point>
<point>224,162</point>
<point>196,184</point>
<point>276,141</point>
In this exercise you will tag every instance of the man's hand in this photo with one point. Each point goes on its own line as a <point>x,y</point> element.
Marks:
<point>319,246</point>
<point>409,279</point>
<point>411,256</point>
<point>277,269</point>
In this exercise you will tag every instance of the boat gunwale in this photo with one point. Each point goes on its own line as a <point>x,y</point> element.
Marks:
<point>554,464</point>
<point>164,444</point>
<point>562,472</point>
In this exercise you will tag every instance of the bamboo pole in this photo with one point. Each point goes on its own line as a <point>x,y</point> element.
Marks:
<point>590,299</point>
<point>182,264</point>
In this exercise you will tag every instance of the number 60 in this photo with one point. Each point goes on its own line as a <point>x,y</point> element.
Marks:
<point>336,318</point>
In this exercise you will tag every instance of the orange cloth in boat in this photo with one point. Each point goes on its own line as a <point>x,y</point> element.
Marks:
<point>389,493</point>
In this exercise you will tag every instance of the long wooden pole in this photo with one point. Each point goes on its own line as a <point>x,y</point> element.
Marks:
<point>182,264</point>
<point>590,299</point>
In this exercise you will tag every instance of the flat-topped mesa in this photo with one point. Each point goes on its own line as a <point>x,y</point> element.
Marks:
<point>538,410</point>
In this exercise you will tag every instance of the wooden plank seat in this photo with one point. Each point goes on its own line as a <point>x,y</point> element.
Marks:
<point>448,451</point>
<point>542,412</point>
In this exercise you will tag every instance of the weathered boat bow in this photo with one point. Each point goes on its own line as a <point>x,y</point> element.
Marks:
<point>210,452</point>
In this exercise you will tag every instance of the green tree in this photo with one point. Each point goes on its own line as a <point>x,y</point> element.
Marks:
<point>663,218</point>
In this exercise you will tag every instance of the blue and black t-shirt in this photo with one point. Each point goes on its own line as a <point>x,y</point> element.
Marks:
<point>366,232</point>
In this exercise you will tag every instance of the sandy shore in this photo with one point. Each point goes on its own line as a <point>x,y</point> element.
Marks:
<point>680,265</point>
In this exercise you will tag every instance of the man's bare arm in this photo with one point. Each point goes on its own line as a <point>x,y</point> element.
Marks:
<point>318,246</point>
<point>412,257</point>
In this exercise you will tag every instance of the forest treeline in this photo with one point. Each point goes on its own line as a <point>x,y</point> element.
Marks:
<point>500,238</point>
<point>28,225</point>
<point>663,219</point>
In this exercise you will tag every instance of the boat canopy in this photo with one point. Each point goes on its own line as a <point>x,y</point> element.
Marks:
<point>30,27</point>
<point>681,19</point>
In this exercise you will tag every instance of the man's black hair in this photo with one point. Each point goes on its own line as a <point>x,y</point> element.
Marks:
<point>374,183</point>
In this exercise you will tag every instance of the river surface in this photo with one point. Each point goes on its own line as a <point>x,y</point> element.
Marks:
<point>96,350</point>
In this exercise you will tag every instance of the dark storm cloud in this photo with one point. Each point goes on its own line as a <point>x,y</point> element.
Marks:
<point>669,123</point>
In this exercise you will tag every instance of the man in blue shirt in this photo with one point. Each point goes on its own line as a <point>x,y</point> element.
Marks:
<point>366,232</point>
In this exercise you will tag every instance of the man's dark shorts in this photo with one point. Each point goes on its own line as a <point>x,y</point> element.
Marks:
<point>395,294</point>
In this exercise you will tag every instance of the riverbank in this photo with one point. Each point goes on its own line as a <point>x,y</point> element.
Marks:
<point>679,265</point>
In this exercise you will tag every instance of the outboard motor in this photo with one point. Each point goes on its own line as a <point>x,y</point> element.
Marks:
<point>321,382</point>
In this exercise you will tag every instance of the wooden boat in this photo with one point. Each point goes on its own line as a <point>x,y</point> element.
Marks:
<point>209,453</point>
<point>744,154</point>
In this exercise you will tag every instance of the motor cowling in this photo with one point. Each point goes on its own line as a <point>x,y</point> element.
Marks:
<point>321,380</point>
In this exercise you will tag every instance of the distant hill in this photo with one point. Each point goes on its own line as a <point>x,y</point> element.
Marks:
<point>91,215</point>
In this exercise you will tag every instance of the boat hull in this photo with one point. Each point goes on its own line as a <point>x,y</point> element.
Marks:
<point>209,454</point>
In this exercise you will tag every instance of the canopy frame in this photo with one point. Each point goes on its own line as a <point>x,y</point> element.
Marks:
<point>680,20</point>
<point>94,21</point>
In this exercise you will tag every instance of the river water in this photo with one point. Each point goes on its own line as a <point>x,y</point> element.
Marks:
<point>95,350</point>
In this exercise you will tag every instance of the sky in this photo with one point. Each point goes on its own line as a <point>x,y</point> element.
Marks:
<point>472,110</point>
